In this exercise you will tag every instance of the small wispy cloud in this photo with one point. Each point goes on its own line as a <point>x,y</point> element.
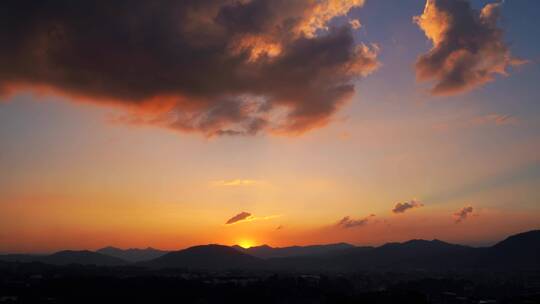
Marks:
<point>492,119</point>
<point>402,207</point>
<point>236,182</point>
<point>495,119</point>
<point>462,214</point>
<point>239,217</point>
<point>248,217</point>
<point>355,24</point>
<point>349,222</point>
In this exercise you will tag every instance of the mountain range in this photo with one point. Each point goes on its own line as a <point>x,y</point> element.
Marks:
<point>517,252</point>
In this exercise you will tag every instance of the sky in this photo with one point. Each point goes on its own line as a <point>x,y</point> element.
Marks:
<point>267,122</point>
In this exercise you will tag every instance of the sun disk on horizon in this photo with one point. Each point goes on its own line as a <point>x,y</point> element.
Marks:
<point>246,244</point>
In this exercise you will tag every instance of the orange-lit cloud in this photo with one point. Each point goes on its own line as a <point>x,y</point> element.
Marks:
<point>322,12</point>
<point>402,207</point>
<point>236,183</point>
<point>213,67</point>
<point>462,214</point>
<point>348,222</point>
<point>468,46</point>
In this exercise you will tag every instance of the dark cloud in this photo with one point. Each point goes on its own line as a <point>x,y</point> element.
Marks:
<point>462,214</point>
<point>348,222</point>
<point>402,207</point>
<point>239,217</point>
<point>219,67</point>
<point>468,46</point>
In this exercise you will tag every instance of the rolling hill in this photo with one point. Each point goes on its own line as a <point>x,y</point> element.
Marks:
<point>132,254</point>
<point>266,252</point>
<point>206,257</point>
<point>67,257</point>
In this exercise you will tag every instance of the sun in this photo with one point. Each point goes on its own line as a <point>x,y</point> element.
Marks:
<point>246,243</point>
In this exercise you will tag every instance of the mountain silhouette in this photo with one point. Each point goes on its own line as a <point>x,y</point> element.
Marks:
<point>206,257</point>
<point>266,252</point>
<point>517,252</point>
<point>529,240</point>
<point>132,254</point>
<point>520,251</point>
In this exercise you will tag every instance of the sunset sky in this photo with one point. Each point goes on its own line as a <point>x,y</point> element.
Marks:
<point>171,124</point>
